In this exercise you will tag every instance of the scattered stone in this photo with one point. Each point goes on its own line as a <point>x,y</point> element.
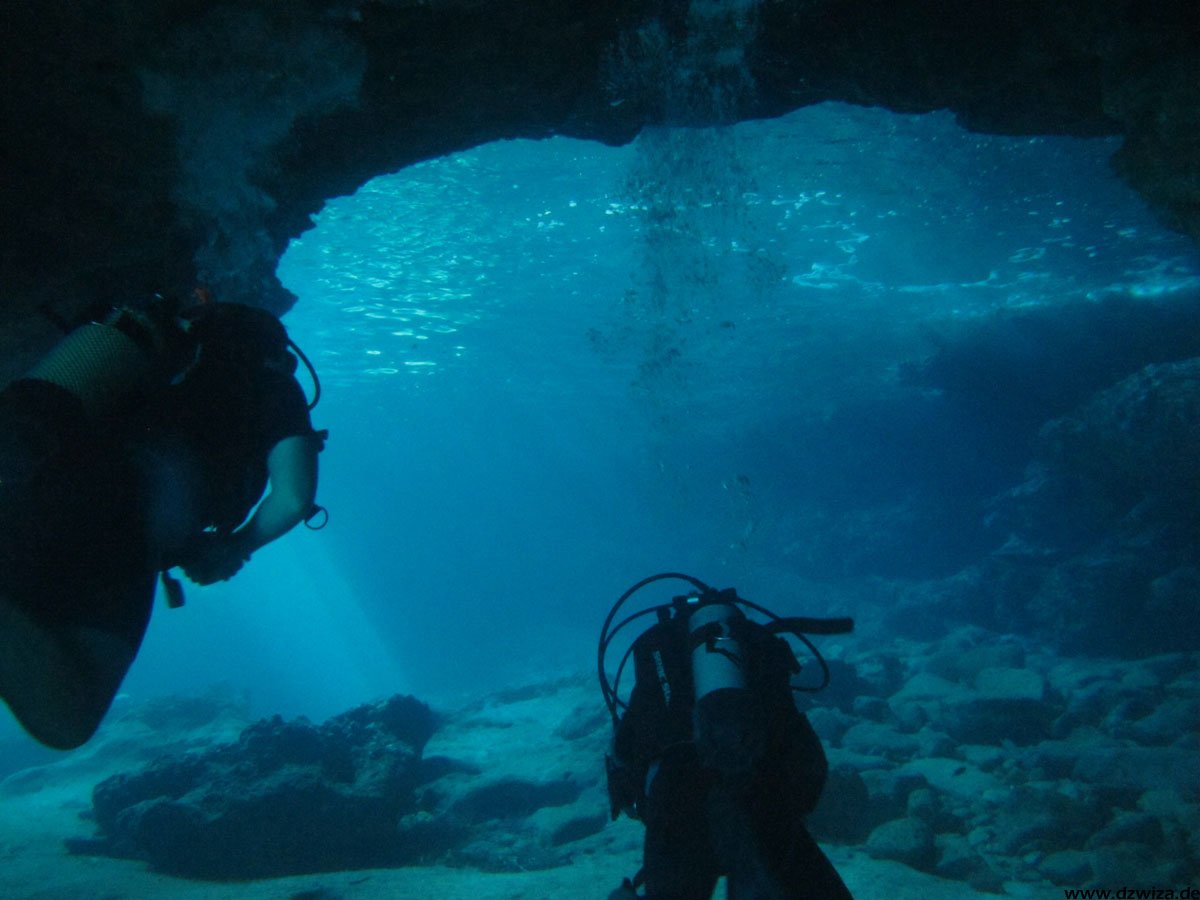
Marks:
<point>577,828</point>
<point>829,723</point>
<point>286,797</point>
<point>1085,809</point>
<point>582,721</point>
<point>1128,828</point>
<point>958,860</point>
<point>873,708</point>
<point>924,687</point>
<point>1043,819</point>
<point>976,719</point>
<point>935,743</point>
<point>909,841</point>
<point>1139,769</point>
<point>964,666</point>
<point>982,756</point>
<point>952,777</point>
<point>428,837</point>
<point>875,739</point>
<point>922,699</point>
<point>513,798</point>
<point>1166,723</point>
<point>1167,804</point>
<point>923,805</point>
<point>1067,867</point>
<point>860,762</point>
<point>1010,684</point>
<point>1136,866</point>
<point>850,685</point>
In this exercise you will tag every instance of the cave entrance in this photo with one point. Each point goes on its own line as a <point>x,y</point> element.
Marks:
<point>829,243</point>
<point>557,363</point>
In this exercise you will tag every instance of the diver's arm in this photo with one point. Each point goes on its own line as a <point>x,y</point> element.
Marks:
<point>292,473</point>
<point>292,469</point>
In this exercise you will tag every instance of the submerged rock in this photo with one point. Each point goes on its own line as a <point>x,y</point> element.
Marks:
<point>1140,436</point>
<point>957,859</point>
<point>1139,769</point>
<point>515,782</point>
<point>286,797</point>
<point>1111,507</point>
<point>1067,867</point>
<point>880,740</point>
<point>907,840</point>
<point>367,789</point>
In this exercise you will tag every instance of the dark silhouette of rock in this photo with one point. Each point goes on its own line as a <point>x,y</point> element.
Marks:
<point>909,841</point>
<point>288,797</point>
<point>292,797</point>
<point>153,143</point>
<point>1101,539</point>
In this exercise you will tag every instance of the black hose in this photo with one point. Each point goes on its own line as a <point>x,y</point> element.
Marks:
<point>312,372</point>
<point>606,689</point>
<point>796,626</point>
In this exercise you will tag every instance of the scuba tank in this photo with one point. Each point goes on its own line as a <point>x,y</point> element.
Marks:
<point>706,674</point>
<point>728,720</point>
<point>123,354</point>
<point>116,359</point>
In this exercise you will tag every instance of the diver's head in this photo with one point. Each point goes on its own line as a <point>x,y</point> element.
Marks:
<point>236,334</point>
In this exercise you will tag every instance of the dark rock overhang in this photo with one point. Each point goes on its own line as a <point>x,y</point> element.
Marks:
<point>152,144</point>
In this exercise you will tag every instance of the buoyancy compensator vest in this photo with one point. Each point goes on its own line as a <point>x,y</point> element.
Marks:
<point>705,674</point>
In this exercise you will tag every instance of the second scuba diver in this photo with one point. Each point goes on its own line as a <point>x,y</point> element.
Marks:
<point>712,755</point>
<point>142,442</point>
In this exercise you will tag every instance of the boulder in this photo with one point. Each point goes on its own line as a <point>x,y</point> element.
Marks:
<point>1139,769</point>
<point>1067,867</point>
<point>907,840</point>
<point>879,740</point>
<point>287,797</point>
<point>958,860</point>
<point>1044,819</point>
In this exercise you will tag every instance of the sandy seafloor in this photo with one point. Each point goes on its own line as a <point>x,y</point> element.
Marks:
<point>42,807</point>
<point>37,866</point>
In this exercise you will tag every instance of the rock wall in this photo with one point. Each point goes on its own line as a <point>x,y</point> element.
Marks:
<point>150,144</point>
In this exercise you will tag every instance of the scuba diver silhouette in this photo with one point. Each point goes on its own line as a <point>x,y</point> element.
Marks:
<point>143,441</point>
<point>711,753</point>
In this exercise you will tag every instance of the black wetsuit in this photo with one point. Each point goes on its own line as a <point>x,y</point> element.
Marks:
<point>91,510</point>
<point>702,823</point>
<point>73,549</point>
<point>217,429</point>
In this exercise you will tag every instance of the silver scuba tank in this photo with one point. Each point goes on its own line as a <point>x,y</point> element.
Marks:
<point>96,363</point>
<point>728,718</point>
<point>104,362</point>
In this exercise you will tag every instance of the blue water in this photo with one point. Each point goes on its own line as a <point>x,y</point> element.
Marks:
<point>551,368</point>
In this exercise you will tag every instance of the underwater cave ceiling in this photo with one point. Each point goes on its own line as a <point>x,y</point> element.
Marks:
<point>153,143</point>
